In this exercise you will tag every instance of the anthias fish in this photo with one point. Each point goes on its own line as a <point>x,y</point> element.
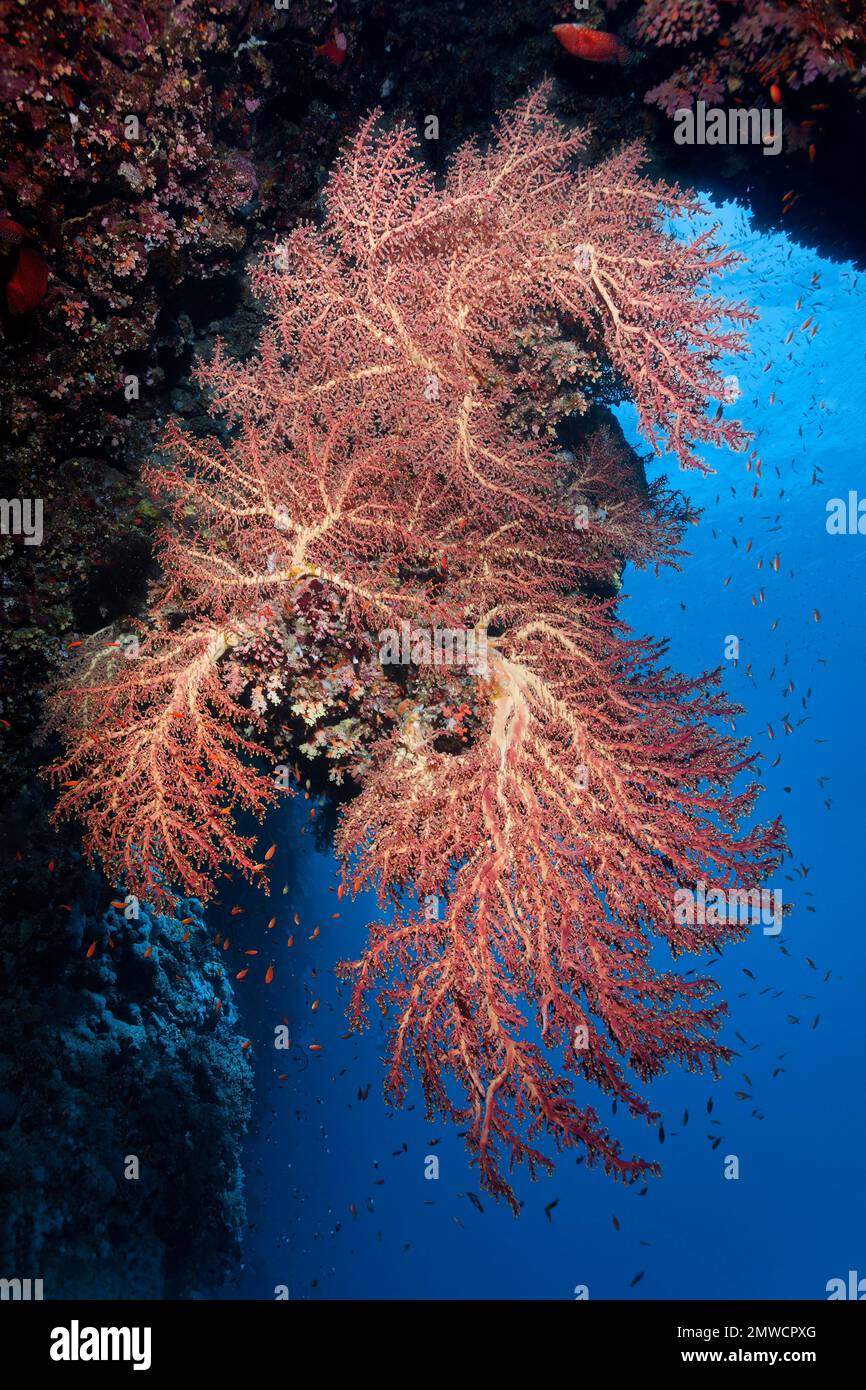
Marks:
<point>592,44</point>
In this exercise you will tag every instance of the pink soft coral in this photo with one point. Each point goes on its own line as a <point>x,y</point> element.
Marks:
<point>372,463</point>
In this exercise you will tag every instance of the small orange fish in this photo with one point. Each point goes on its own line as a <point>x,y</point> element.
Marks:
<point>334,915</point>
<point>242,974</point>
<point>776,562</point>
<point>271,924</point>
<point>115,903</point>
<point>296,919</point>
<point>236,911</point>
<point>315,934</point>
<point>245,1045</point>
<point>816,615</point>
<point>70,645</point>
<point>91,948</point>
<point>340,890</point>
<point>148,952</point>
<point>269,853</point>
<point>291,941</point>
<point>315,1047</point>
<point>185,936</point>
<point>776,93</point>
<point>593,45</point>
<point>251,953</point>
<point>269,974</point>
<point>186,921</point>
<point>314,1006</point>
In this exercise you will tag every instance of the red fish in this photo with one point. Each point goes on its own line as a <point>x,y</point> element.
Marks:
<point>334,48</point>
<point>29,281</point>
<point>594,45</point>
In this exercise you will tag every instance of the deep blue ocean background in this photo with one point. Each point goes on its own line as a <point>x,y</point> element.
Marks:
<point>339,1206</point>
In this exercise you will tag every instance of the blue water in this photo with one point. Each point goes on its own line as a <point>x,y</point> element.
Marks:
<point>795,1216</point>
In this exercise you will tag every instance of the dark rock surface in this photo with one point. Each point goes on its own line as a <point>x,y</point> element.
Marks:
<point>119,1054</point>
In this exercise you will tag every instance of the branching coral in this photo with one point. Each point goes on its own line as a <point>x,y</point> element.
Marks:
<point>371,466</point>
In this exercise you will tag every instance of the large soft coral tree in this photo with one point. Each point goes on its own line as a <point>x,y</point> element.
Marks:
<point>370,459</point>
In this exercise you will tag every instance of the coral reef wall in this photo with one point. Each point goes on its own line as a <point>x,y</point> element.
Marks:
<point>124,1092</point>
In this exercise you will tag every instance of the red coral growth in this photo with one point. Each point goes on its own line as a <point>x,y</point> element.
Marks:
<point>660,22</point>
<point>111,137</point>
<point>560,795</point>
<point>743,46</point>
